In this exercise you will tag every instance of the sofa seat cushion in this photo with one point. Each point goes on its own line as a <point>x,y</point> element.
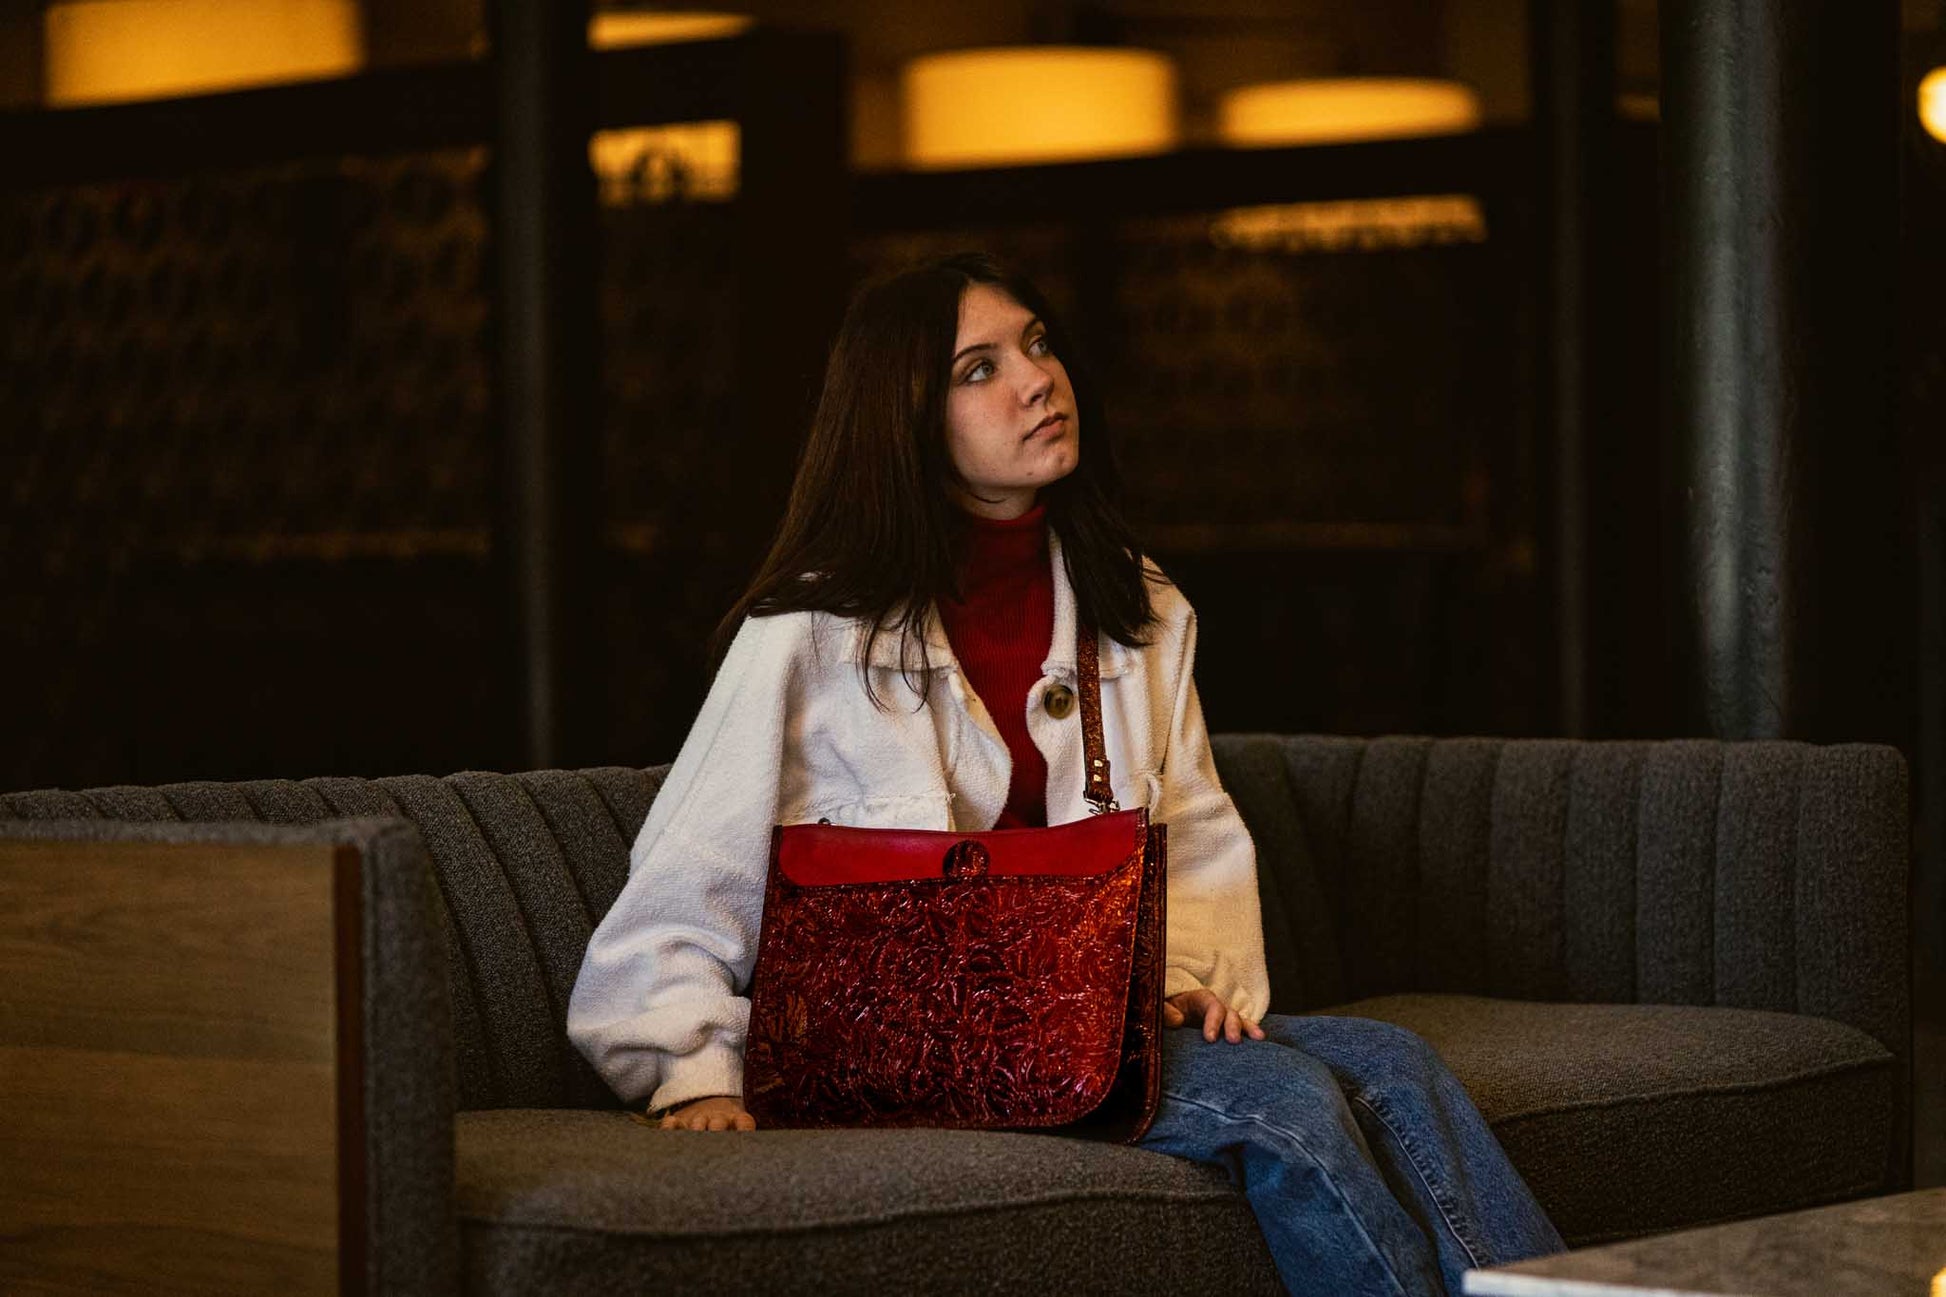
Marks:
<point>582,1201</point>
<point>1626,1119</point>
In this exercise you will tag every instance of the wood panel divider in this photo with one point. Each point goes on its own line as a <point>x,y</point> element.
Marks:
<point>181,1100</point>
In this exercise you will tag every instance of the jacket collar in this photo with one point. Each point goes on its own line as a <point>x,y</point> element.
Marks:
<point>1060,657</point>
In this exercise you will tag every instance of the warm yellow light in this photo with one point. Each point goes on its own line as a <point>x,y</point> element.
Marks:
<point>106,51</point>
<point>1343,109</point>
<point>1360,224</point>
<point>1008,104</point>
<point>1932,103</point>
<point>686,161</point>
<point>689,161</point>
<point>618,29</point>
<point>1638,107</point>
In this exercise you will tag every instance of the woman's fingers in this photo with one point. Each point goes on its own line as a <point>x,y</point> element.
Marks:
<point>709,1115</point>
<point>1200,1003</point>
<point>1179,1008</point>
<point>1218,1018</point>
<point>1236,1027</point>
<point>1213,1018</point>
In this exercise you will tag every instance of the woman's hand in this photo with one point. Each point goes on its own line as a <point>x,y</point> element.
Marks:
<point>717,1112</point>
<point>1216,1015</point>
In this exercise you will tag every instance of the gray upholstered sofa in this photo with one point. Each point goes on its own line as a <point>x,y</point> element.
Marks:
<point>1671,974</point>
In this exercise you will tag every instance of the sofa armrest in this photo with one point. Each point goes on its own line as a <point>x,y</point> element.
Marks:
<point>192,971</point>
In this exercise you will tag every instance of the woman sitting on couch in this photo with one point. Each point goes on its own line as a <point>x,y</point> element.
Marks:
<point>944,483</point>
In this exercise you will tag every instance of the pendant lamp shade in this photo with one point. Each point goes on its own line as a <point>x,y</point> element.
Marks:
<point>109,51</point>
<point>614,29</point>
<point>1004,105</point>
<point>1343,109</point>
<point>1932,103</point>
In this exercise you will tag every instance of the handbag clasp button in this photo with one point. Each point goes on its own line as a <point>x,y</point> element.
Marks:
<point>965,859</point>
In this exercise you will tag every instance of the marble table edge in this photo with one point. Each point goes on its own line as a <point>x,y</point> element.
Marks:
<point>1505,1283</point>
<point>1892,1243</point>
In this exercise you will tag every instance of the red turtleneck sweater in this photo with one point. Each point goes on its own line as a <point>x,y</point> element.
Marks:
<point>1000,631</point>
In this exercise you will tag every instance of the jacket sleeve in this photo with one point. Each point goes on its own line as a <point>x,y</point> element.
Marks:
<point>659,1007</point>
<point>1215,930</point>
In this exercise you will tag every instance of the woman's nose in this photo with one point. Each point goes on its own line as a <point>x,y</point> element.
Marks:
<point>1038,383</point>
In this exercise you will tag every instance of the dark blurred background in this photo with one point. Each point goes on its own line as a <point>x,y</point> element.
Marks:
<point>351,422</point>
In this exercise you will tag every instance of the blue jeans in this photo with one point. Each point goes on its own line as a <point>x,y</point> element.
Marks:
<point>1368,1167</point>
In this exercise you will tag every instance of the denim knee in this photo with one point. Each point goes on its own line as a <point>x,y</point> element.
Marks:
<point>1370,1047</point>
<point>1259,1084</point>
<point>1249,1074</point>
<point>1400,1050</point>
<point>1374,1036</point>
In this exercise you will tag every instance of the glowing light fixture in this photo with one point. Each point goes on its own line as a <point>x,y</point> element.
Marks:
<point>616,29</point>
<point>1342,109</point>
<point>1635,106</point>
<point>1932,103</point>
<point>1354,225</point>
<point>683,162</point>
<point>1029,103</point>
<point>109,51</point>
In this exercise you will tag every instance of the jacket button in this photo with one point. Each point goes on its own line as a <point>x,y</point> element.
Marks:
<point>1059,701</point>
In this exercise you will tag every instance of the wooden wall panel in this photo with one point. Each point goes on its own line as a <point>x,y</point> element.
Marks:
<point>169,1101</point>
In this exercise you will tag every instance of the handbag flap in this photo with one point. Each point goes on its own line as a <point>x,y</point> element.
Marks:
<point>822,855</point>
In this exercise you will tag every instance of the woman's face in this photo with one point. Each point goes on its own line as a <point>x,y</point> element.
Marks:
<point>1011,422</point>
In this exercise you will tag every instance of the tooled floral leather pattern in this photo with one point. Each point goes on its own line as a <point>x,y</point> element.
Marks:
<point>999,1001</point>
<point>1130,1106</point>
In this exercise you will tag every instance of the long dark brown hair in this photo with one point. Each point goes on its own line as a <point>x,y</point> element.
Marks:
<point>872,511</point>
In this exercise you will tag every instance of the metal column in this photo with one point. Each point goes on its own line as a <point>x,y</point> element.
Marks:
<point>1574,114</point>
<point>1780,234</point>
<point>544,234</point>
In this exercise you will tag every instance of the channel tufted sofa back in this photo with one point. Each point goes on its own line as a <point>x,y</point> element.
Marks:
<point>1750,875</point>
<point>1755,875</point>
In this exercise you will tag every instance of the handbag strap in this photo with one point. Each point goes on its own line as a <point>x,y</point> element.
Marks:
<point>1087,662</point>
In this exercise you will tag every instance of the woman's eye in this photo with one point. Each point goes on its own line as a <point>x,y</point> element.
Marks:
<point>1039,346</point>
<point>978,371</point>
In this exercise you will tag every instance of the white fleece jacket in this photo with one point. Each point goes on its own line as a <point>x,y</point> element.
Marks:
<point>787,735</point>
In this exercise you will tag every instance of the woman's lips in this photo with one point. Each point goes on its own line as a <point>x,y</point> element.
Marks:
<point>1053,423</point>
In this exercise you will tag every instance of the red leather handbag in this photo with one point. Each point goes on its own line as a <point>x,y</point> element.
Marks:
<point>1002,980</point>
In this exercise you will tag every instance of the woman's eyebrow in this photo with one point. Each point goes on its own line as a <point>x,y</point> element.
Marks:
<point>1033,321</point>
